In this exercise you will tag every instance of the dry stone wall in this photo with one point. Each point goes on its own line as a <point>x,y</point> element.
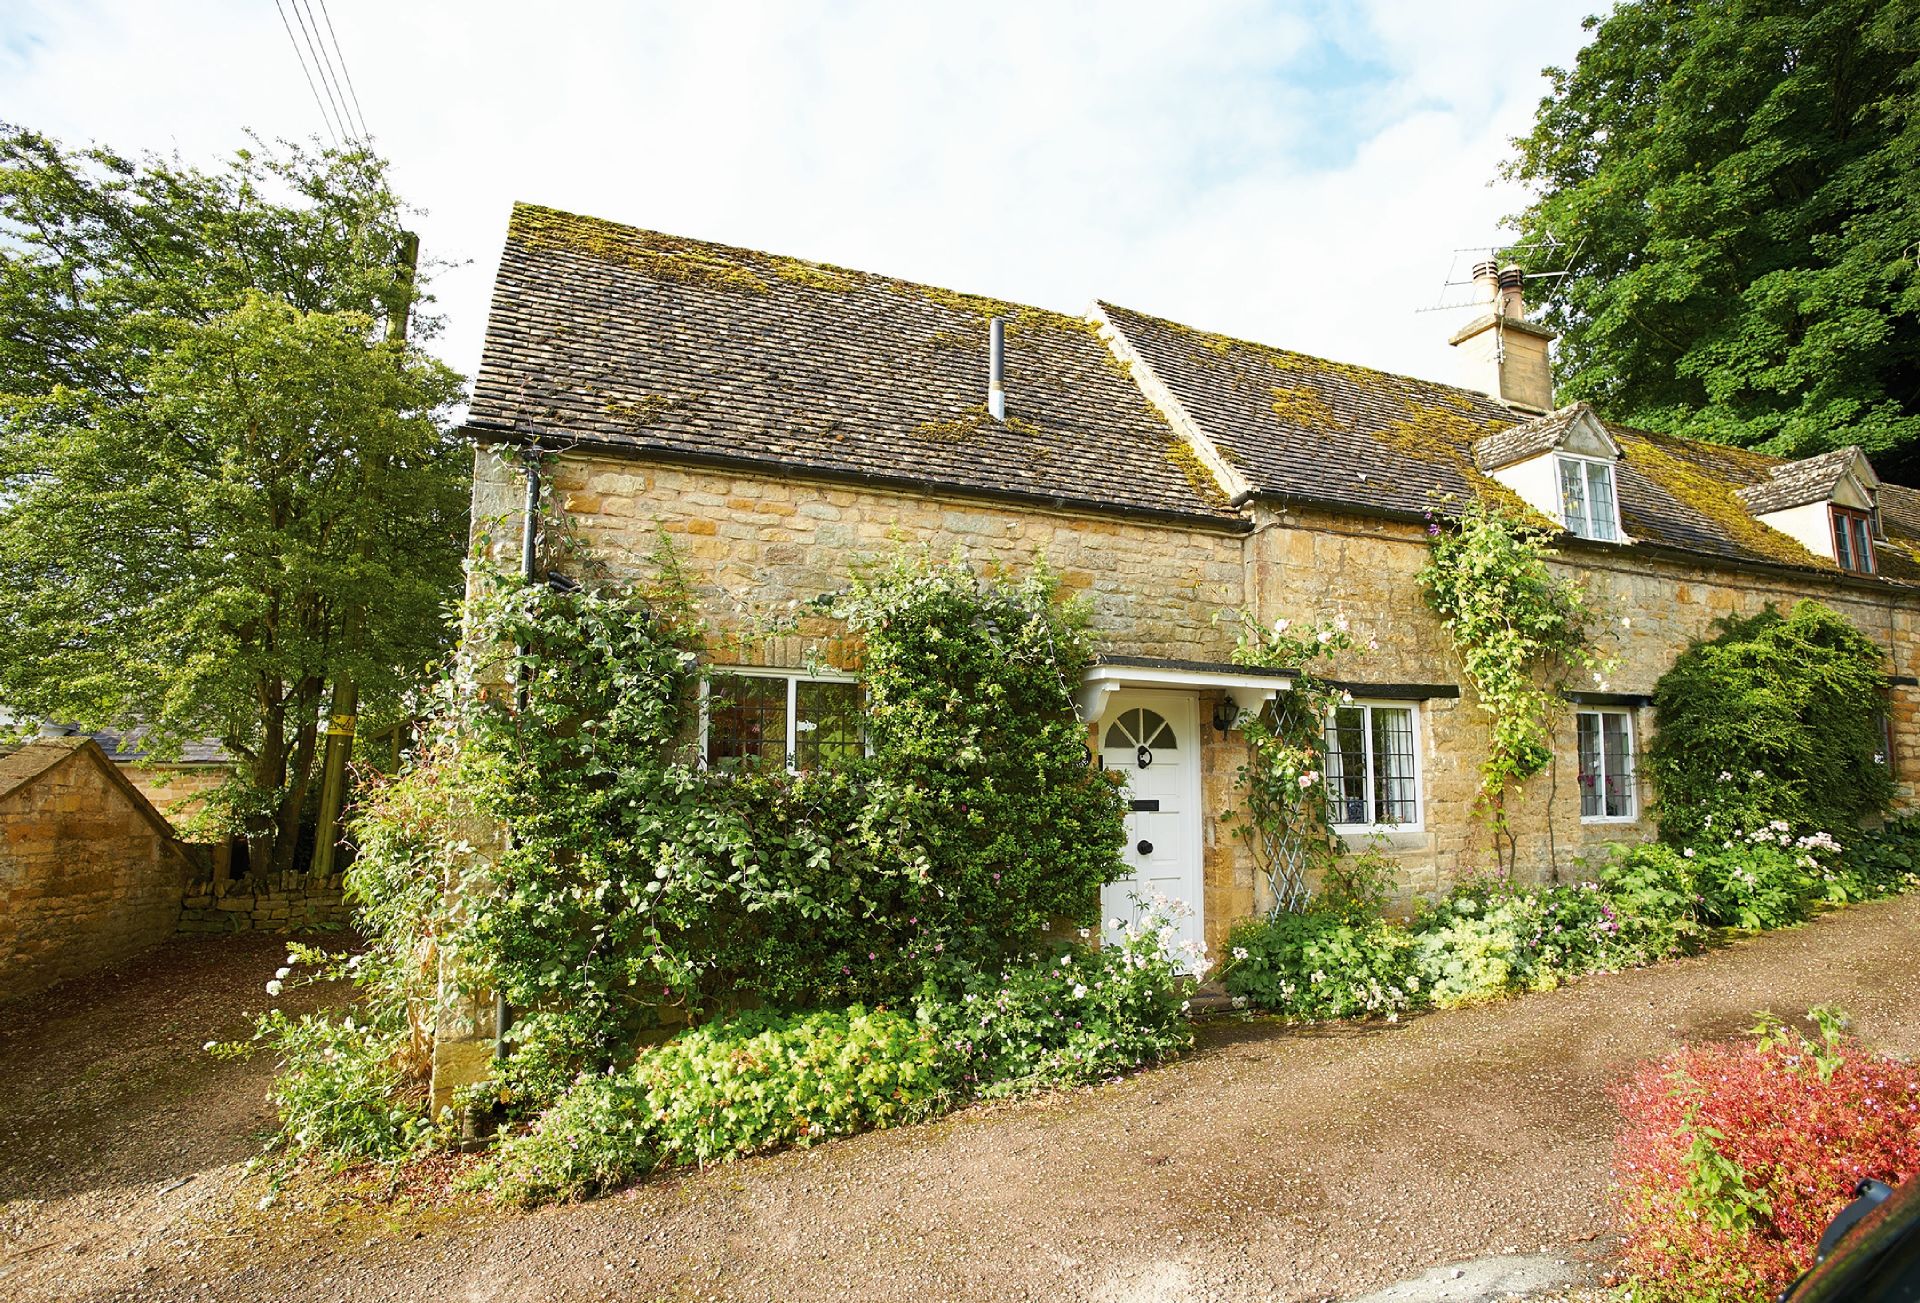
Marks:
<point>279,902</point>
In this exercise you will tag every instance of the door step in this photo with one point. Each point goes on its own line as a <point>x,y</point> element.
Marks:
<point>1210,1000</point>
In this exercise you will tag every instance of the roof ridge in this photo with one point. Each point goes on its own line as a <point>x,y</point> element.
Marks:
<point>790,267</point>
<point>1311,357</point>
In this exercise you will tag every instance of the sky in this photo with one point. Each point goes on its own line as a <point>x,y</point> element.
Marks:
<point>1295,173</point>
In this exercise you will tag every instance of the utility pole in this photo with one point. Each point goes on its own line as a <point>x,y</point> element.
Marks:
<point>345,711</point>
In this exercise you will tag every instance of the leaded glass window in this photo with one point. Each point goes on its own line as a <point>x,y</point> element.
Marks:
<point>1586,498</point>
<point>766,719</point>
<point>1605,740</point>
<point>1372,776</point>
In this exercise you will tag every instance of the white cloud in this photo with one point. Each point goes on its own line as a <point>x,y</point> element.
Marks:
<point>1172,158</point>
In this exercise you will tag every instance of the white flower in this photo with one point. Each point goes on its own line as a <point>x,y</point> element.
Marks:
<point>1726,776</point>
<point>1079,992</point>
<point>282,973</point>
<point>1340,622</point>
<point>1325,635</point>
<point>273,988</point>
<point>1085,932</point>
<point>1373,644</point>
<point>1346,697</point>
<point>1116,924</point>
<point>210,1046</point>
<point>1281,625</point>
<point>1688,852</point>
<point>1626,622</point>
<point>1239,1001</point>
<point>1239,952</point>
<point>1308,779</point>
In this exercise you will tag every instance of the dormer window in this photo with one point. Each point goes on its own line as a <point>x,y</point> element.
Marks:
<point>1587,504</point>
<point>1852,539</point>
<point>1561,465</point>
<point>1825,503</point>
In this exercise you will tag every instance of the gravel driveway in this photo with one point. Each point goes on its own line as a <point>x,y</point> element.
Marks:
<point>1272,1163</point>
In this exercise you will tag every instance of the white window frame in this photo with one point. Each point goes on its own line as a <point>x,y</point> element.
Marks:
<point>1370,704</point>
<point>1586,493</point>
<point>793,678</point>
<point>1633,763</point>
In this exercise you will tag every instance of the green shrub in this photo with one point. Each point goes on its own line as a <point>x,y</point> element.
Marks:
<point>1321,965</point>
<point>1766,879</point>
<point>597,1136</point>
<point>340,1091</point>
<point>1476,943</point>
<point>753,1082</point>
<point>1073,1017</point>
<point>1776,718</point>
<point>1654,896</point>
<point>761,1080</point>
<point>1883,862</point>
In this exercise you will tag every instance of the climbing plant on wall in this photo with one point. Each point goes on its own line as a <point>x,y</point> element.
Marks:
<point>1284,819</point>
<point>1776,717</point>
<point>633,880</point>
<point>1520,632</point>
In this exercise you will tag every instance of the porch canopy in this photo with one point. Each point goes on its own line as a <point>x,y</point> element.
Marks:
<point>1248,687</point>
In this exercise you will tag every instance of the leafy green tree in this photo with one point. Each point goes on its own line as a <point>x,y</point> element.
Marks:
<point>215,443</point>
<point>1739,183</point>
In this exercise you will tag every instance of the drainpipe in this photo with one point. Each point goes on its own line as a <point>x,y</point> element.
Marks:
<point>529,525</point>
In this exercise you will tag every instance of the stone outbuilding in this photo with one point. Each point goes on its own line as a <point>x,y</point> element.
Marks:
<point>781,419</point>
<point>90,871</point>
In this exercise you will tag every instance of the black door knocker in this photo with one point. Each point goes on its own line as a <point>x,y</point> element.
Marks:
<point>1143,755</point>
<point>1145,847</point>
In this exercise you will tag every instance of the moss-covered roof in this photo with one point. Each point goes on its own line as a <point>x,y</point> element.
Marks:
<point>618,338</point>
<point>656,345</point>
<point>1336,434</point>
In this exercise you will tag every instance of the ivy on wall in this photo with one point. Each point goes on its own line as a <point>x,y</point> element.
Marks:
<point>1520,632</point>
<point>631,879</point>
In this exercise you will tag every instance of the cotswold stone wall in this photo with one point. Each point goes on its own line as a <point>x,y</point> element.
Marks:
<point>86,879</point>
<point>177,791</point>
<point>754,546</point>
<point>280,902</point>
<point>1311,564</point>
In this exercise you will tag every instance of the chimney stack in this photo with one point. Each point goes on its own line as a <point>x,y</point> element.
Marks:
<point>997,369</point>
<point>1503,355</point>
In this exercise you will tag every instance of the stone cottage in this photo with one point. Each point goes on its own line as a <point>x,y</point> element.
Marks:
<point>780,419</point>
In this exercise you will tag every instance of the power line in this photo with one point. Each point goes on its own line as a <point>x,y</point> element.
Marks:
<point>346,128</point>
<point>341,55</point>
<point>303,72</point>
<point>331,78</point>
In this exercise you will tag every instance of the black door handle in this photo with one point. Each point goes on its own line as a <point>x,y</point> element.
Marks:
<point>1145,847</point>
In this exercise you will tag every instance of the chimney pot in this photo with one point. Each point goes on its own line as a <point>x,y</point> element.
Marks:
<point>1513,291</point>
<point>1486,281</point>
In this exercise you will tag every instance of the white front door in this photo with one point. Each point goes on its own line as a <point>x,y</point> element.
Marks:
<point>1152,739</point>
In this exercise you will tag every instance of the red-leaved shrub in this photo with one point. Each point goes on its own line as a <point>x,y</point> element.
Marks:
<point>1734,1157</point>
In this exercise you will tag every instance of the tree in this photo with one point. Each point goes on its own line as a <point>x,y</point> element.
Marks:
<point>211,452</point>
<point>1740,183</point>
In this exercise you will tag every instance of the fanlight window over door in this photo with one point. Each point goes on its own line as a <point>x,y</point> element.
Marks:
<point>1141,727</point>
